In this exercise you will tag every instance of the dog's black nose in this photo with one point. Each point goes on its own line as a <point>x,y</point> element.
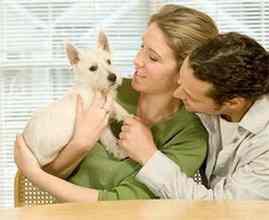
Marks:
<point>112,77</point>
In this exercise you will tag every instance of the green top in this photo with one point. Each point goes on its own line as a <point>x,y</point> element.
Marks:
<point>182,138</point>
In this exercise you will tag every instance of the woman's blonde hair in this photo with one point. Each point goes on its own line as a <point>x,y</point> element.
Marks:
<point>184,28</point>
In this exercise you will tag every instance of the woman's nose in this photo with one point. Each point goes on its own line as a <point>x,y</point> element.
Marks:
<point>138,60</point>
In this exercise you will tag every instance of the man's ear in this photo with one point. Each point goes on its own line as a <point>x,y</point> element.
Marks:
<point>235,103</point>
<point>103,41</point>
<point>71,52</point>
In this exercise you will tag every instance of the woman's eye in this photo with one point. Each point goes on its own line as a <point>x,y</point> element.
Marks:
<point>93,68</point>
<point>142,46</point>
<point>153,59</point>
<point>108,62</point>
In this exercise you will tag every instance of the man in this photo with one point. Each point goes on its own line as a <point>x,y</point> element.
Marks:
<point>226,81</point>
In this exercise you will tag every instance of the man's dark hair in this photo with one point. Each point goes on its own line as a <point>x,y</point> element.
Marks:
<point>235,64</point>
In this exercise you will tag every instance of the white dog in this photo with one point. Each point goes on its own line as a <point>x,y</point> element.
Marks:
<point>51,128</point>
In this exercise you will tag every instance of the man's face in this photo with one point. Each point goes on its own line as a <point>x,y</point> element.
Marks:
<point>192,92</point>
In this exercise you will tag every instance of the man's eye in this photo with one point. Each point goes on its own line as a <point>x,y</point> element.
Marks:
<point>93,68</point>
<point>108,62</point>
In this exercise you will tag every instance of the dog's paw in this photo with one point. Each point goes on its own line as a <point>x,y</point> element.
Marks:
<point>122,117</point>
<point>115,126</point>
<point>120,154</point>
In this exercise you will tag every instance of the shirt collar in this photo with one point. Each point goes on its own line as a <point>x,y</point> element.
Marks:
<point>210,122</point>
<point>257,116</point>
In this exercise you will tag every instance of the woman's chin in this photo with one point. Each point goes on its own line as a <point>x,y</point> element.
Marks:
<point>136,85</point>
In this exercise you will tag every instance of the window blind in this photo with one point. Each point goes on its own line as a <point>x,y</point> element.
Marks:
<point>33,66</point>
<point>249,17</point>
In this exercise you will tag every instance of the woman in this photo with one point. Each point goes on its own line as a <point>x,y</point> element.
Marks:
<point>161,120</point>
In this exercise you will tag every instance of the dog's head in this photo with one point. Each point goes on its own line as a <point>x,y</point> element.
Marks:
<point>93,67</point>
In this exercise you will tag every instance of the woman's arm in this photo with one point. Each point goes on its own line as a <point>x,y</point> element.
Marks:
<point>67,160</point>
<point>61,189</point>
<point>88,128</point>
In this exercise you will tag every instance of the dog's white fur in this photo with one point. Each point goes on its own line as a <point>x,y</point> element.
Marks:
<point>51,128</point>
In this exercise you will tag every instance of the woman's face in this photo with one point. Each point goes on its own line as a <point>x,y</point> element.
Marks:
<point>156,70</point>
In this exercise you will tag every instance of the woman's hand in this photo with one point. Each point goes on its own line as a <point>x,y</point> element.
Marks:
<point>91,122</point>
<point>137,140</point>
<point>24,158</point>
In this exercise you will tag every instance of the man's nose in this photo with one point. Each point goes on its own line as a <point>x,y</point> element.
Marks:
<point>179,94</point>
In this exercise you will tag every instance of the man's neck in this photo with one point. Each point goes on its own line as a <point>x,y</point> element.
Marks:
<point>237,114</point>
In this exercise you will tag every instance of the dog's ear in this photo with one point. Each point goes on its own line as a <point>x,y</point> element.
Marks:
<point>103,41</point>
<point>71,52</point>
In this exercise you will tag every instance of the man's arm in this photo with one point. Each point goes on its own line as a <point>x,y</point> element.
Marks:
<point>167,180</point>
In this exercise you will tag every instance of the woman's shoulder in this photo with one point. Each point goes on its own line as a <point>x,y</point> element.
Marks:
<point>183,125</point>
<point>188,123</point>
<point>186,118</point>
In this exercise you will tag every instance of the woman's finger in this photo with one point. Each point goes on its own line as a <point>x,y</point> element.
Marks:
<point>98,100</point>
<point>121,142</point>
<point>128,121</point>
<point>16,146</point>
<point>20,141</point>
<point>121,135</point>
<point>79,105</point>
<point>108,103</point>
<point>125,128</point>
<point>106,120</point>
<point>137,118</point>
<point>20,146</point>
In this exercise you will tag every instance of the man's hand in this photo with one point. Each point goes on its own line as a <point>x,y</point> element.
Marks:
<point>136,139</point>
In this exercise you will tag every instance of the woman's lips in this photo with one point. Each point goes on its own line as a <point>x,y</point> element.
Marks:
<point>139,75</point>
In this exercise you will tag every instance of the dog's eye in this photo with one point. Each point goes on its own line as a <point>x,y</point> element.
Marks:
<point>108,62</point>
<point>93,68</point>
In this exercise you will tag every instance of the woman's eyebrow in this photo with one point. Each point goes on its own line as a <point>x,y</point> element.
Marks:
<point>155,52</point>
<point>151,49</point>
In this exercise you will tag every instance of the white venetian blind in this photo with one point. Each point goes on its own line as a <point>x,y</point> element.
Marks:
<point>250,17</point>
<point>33,67</point>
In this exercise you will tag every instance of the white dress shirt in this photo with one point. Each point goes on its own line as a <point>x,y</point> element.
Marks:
<point>239,170</point>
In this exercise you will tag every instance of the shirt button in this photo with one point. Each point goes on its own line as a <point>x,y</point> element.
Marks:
<point>235,139</point>
<point>241,130</point>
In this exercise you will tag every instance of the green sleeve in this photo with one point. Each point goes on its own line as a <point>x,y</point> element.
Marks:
<point>129,189</point>
<point>188,148</point>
